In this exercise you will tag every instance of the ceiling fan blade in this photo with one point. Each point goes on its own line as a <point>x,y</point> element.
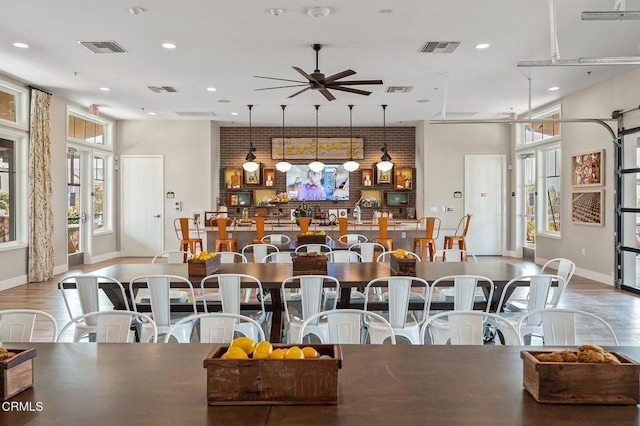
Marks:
<point>297,93</point>
<point>350,90</point>
<point>355,82</point>
<point>338,76</point>
<point>305,75</point>
<point>327,94</point>
<point>283,87</point>
<point>281,79</point>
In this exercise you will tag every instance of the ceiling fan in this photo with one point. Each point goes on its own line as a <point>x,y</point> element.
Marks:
<point>317,81</point>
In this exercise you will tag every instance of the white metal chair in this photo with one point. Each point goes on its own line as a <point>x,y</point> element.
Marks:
<point>116,326</point>
<point>347,326</point>
<point>563,267</point>
<point>470,328</point>
<point>87,288</point>
<point>467,290</point>
<point>386,256</point>
<point>229,287</point>
<point>400,290</point>
<point>353,238</point>
<point>217,327</point>
<point>368,250</point>
<point>558,326</point>
<point>160,302</point>
<point>259,251</point>
<point>17,325</point>
<point>276,239</point>
<point>231,257</point>
<point>310,248</point>
<point>172,256</point>
<point>310,301</point>
<point>343,256</point>
<point>457,255</point>
<point>278,257</point>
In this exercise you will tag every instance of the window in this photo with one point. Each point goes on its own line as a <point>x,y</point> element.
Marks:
<point>98,191</point>
<point>550,196</point>
<point>13,106</point>
<point>540,131</point>
<point>85,130</point>
<point>529,197</point>
<point>7,191</point>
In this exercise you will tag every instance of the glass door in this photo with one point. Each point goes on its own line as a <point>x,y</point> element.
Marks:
<point>629,237</point>
<point>76,211</point>
<point>528,167</point>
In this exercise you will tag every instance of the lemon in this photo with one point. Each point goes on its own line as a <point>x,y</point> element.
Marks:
<point>244,343</point>
<point>263,350</point>
<point>310,352</point>
<point>277,354</point>
<point>235,352</point>
<point>294,352</point>
<point>224,356</point>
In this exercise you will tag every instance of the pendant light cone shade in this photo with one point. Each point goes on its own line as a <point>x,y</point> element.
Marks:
<point>316,166</point>
<point>351,166</point>
<point>250,165</point>
<point>283,166</point>
<point>385,163</point>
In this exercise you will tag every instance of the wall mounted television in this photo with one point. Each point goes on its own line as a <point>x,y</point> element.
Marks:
<point>331,184</point>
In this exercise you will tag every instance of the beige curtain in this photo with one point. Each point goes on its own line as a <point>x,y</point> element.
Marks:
<point>40,213</point>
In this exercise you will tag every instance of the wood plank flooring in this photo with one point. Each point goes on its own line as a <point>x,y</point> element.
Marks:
<point>620,308</point>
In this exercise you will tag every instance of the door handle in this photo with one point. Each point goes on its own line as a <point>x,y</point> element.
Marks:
<point>156,215</point>
<point>83,217</point>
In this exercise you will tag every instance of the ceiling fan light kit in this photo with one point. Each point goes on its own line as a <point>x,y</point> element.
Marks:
<point>316,166</point>
<point>385,163</point>
<point>351,166</point>
<point>283,165</point>
<point>250,165</point>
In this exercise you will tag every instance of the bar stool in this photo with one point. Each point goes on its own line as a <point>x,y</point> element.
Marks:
<point>459,236</point>
<point>383,237</point>
<point>223,242</point>
<point>431,224</point>
<point>259,230</point>
<point>304,224</point>
<point>181,225</point>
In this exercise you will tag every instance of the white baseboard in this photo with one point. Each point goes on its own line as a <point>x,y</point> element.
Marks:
<point>101,258</point>
<point>13,282</point>
<point>585,273</point>
<point>60,269</point>
<point>512,253</point>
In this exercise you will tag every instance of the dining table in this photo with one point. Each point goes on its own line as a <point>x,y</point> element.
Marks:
<point>144,384</point>
<point>350,275</point>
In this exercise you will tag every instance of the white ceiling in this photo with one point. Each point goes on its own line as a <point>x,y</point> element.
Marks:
<point>225,43</point>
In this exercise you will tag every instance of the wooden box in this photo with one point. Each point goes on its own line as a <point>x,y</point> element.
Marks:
<point>581,383</point>
<point>405,267</point>
<point>273,381</point>
<point>202,268</point>
<point>310,264</point>
<point>311,239</point>
<point>16,374</point>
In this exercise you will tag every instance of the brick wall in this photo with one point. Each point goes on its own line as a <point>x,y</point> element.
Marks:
<point>234,145</point>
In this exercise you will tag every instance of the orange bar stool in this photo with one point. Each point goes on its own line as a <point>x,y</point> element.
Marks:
<point>304,224</point>
<point>428,241</point>
<point>223,242</point>
<point>383,238</point>
<point>182,227</point>
<point>459,236</point>
<point>259,230</point>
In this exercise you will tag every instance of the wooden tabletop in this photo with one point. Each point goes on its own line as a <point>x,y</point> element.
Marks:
<point>125,384</point>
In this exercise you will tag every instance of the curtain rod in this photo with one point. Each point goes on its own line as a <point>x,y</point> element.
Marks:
<point>37,88</point>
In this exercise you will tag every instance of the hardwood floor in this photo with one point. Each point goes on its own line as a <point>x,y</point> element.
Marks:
<point>619,308</point>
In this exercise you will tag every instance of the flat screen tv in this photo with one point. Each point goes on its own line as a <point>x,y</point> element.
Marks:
<point>332,183</point>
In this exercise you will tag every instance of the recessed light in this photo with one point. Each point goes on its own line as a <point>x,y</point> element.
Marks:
<point>386,11</point>
<point>105,89</point>
<point>211,89</point>
<point>554,88</point>
<point>21,45</point>
<point>234,113</point>
<point>481,46</point>
<point>151,113</point>
<point>168,45</point>
<point>276,12</point>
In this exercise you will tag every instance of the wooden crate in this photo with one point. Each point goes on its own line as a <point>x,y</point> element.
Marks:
<point>581,383</point>
<point>404,267</point>
<point>273,381</point>
<point>16,374</point>
<point>311,239</point>
<point>202,268</point>
<point>310,265</point>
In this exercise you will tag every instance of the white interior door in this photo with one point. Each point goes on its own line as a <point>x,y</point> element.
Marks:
<point>484,199</point>
<point>142,191</point>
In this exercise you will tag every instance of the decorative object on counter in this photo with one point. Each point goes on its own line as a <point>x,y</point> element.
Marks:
<point>357,212</point>
<point>367,177</point>
<point>16,372</point>
<point>310,264</point>
<point>303,210</point>
<point>385,163</point>
<point>283,165</point>
<point>351,165</point>
<point>250,165</point>
<point>411,213</point>
<point>403,263</point>
<point>316,165</point>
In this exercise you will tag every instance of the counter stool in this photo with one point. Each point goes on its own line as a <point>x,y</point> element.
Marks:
<point>223,242</point>
<point>304,224</point>
<point>259,230</point>
<point>459,236</point>
<point>420,244</point>
<point>182,227</point>
<point>383,237</point>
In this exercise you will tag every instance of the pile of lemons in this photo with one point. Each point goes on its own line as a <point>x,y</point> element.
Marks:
<point>315,233</point>
<point>203,255</point>
<point>402,254</point>
<point>246,348</point>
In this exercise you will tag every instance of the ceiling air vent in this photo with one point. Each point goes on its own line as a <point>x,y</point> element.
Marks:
<point>103,46</point>
<point>399,89</point>
<point>162,89</point>
<point>196,114</point>
<point>439,46</point>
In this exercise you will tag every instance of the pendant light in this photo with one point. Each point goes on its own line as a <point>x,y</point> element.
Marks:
<point>250,165</point>
<point>351,166</point>
<point>316,165</point>
<point>283,166</point>
<point>385,163</point>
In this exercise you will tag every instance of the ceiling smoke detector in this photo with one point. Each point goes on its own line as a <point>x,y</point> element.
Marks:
<point>318,12</point>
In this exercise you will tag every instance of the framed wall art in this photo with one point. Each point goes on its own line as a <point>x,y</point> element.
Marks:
<point>371,198</point>
<point>269,177</point>
<point>367,177</point>
<point>397,199</point>
<point>233,177</point>
<point>263,197</point>
<point>384,177</point>
<point>587,169</point>
<point>587,207</point>
<point>240,199</point>
<point>403,178</point>
<point>252,178</point>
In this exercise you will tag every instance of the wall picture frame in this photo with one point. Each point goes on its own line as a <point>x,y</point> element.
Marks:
<point>252,178</point>
<point>371,198</point>
<point>237,199</point>
<point>587,207</point>
<point>263,197</point>
<point>384,178</point>
<point>233,177</point>
<point>367,177</point>
<point>269,177</point>
<point>403,178</point>
<point>397,199</point>
<point>587,169</point>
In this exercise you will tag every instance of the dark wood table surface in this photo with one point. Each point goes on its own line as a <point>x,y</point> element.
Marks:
<point>349,274</point>
<point>145,384</point>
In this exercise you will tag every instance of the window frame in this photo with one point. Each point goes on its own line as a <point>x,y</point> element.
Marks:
<point>542,216</point>
<point>21,96</point>
<point>21,159</point>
